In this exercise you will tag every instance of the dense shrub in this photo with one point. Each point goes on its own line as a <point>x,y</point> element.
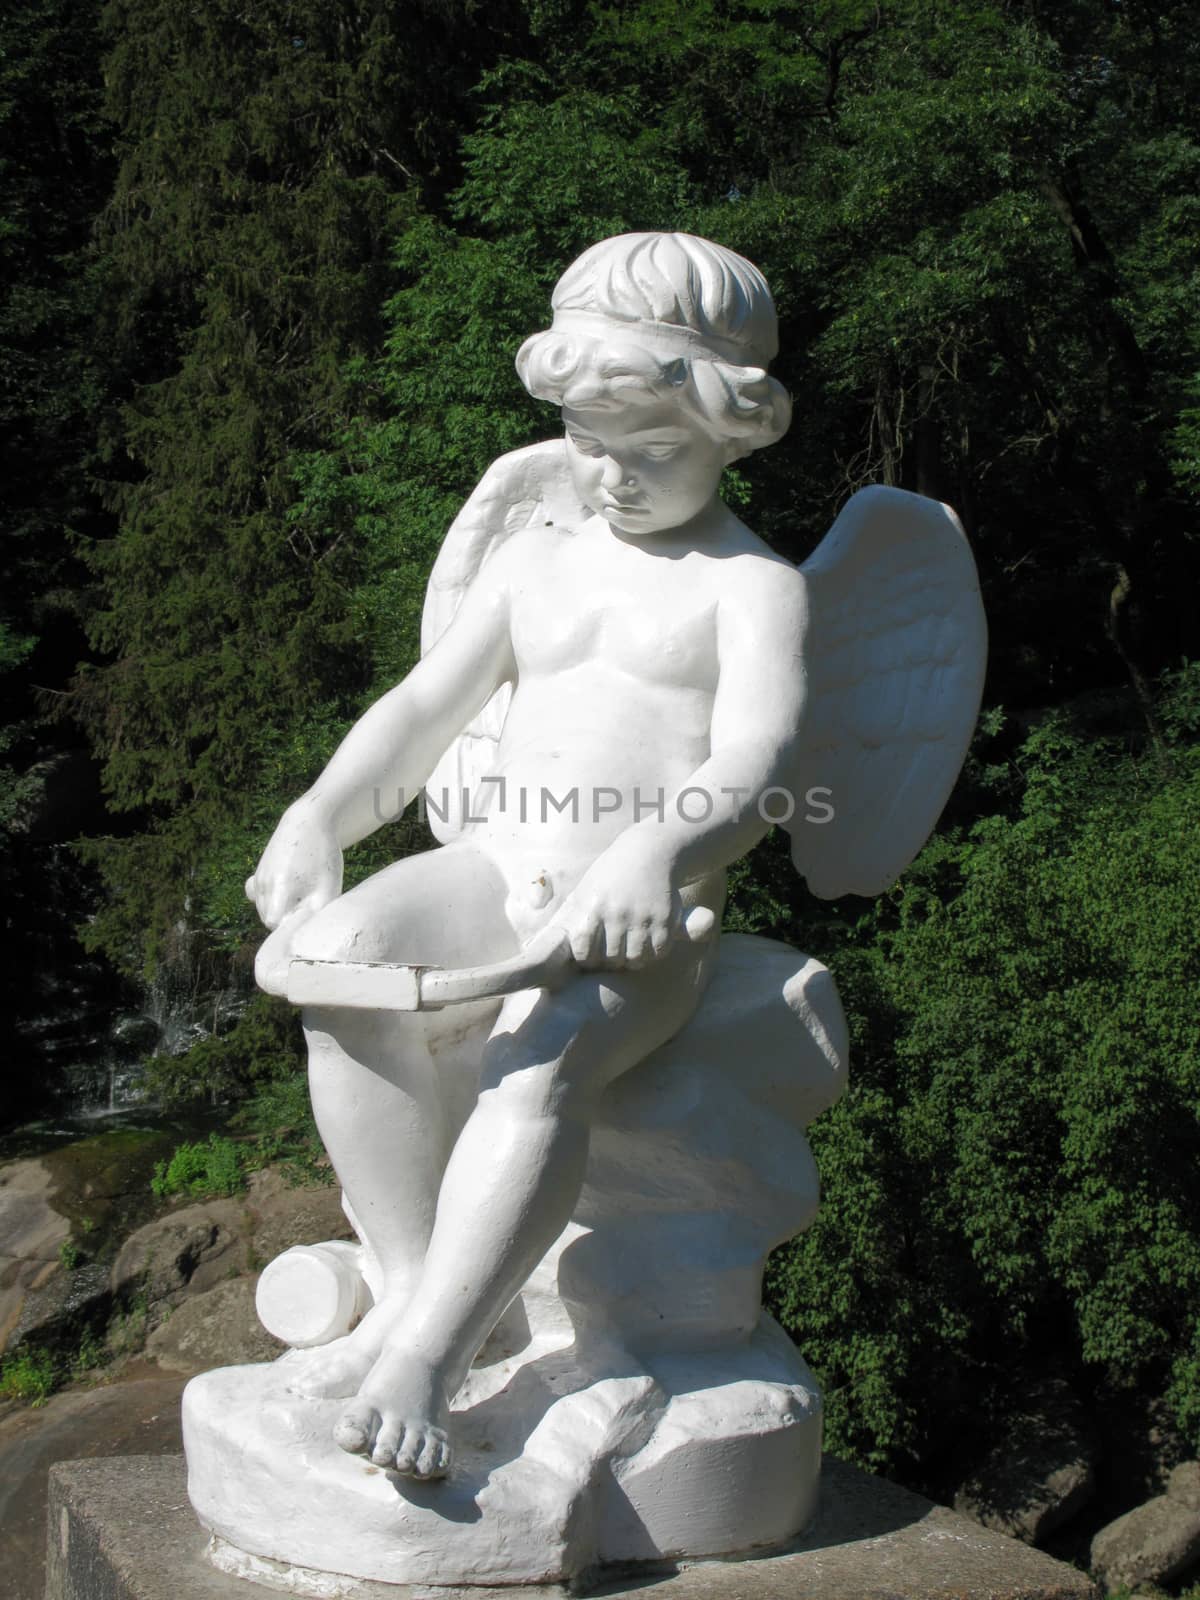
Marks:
<point>1010,1181</point>
<point>213,1166</point>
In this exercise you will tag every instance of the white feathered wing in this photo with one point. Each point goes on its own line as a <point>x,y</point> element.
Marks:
<point>896,656</point>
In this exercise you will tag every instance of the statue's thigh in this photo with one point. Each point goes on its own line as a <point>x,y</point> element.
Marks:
<point>443,908</point>
<point>574,1041</point>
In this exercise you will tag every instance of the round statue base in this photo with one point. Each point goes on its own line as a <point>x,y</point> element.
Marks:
<point>563,1464</point>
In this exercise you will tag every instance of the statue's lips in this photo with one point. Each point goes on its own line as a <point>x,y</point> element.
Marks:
<point>634,508</point>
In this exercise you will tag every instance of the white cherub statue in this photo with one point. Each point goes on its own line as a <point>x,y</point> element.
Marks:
<point>622,688</point>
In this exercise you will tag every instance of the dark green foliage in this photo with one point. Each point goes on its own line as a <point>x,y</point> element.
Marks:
<point>30,1374</point>
<point>274,1124</point>
<point>971,306</point>
<point>268,158</point>
<point>1009,1183</point>
<point>55,166</point>
<point>263,1046</point>
<point>279,1118</point>
<point>53,177</point>
<point>242,238</point>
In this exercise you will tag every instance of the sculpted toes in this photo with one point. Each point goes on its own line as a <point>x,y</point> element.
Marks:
<point>409,1449</point>
<point>433,1460</point>
<point>355,1428</point>
<point>387,1444</point>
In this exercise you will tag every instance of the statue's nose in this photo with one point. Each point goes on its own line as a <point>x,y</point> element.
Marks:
<point>614,474</point>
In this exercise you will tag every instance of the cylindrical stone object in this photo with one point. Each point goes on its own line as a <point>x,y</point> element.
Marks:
<point>312,1293</point>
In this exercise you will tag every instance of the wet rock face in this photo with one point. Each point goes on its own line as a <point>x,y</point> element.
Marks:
<point>31,1234</point>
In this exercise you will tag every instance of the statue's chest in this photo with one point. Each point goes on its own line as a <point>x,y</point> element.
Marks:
<point>657,637</point>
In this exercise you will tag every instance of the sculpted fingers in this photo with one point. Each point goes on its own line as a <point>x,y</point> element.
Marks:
<point>614,941</point>
<point>647,943</point>
<point>638,949</point>
<point>582,930</point>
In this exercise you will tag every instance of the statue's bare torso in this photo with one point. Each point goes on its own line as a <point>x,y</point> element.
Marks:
<point>616,657</point>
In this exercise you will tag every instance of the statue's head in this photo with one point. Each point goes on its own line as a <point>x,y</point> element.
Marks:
<point>667,316</point>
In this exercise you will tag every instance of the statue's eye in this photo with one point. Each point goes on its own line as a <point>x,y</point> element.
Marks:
<point>660,450</point>
<point>586,446</point>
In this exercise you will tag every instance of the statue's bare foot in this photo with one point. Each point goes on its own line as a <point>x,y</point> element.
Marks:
<point>336,1370</point>
<point>400,1417</point>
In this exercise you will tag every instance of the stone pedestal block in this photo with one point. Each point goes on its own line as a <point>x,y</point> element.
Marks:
<point>123,1530</point>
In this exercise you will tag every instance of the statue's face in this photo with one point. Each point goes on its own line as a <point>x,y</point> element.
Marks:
<point>643,464</point>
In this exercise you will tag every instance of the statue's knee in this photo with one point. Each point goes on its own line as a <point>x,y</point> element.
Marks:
<point>331,936</point>
<point>526,1088</point>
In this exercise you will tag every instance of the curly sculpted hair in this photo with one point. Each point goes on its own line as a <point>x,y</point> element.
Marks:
<point>671,314</point>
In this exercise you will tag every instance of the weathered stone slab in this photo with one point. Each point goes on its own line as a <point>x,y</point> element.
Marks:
<point>219,1325</point>
<point>1184,1484</point>
<point>123,1530</point>
<point>1153,1543</point>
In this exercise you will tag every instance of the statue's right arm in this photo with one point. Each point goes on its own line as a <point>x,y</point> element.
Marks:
<point>389,753</point>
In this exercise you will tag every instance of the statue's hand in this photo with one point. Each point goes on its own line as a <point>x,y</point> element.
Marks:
<point>300,870</point>
<point>625,911</point>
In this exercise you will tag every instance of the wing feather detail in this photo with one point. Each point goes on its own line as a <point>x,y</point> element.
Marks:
<point>518,491</point>
<point>896,657</point>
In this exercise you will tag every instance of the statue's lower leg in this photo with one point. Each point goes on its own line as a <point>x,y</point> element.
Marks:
<point>376,1104</point>
<point>509,1189</point>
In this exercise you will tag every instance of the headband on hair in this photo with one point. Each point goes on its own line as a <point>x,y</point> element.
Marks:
<point>686,341</point>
